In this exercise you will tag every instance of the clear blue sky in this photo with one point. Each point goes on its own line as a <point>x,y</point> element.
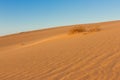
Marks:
<point>25,15</point>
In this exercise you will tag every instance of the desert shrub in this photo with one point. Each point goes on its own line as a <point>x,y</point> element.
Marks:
<point>94,29</point>
<point>84,28</point>
<point>78,29</point>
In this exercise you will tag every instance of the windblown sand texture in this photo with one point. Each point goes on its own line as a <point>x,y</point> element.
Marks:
<point>53,54</point>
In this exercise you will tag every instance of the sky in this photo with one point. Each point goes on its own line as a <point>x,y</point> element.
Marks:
<point>26,15</point>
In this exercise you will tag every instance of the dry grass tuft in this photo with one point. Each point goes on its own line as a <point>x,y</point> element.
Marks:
<point>78,30</point>
<point>84,28</point>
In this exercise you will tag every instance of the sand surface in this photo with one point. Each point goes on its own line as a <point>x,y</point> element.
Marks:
<point>53,54</point>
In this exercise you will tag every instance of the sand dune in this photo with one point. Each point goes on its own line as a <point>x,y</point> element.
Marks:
<point>53,54</point>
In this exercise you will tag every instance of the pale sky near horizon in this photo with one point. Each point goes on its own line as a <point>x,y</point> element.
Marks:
<point>24,15</point>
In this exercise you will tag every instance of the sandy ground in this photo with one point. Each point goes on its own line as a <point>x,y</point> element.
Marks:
<point>53,54</point>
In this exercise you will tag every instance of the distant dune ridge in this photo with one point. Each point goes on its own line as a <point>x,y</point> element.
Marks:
<point>54,54</point>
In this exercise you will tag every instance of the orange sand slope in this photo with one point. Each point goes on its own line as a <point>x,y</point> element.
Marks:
<point>53,54</point>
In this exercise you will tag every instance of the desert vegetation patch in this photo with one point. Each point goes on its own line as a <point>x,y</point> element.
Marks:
<point>84,28</point>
